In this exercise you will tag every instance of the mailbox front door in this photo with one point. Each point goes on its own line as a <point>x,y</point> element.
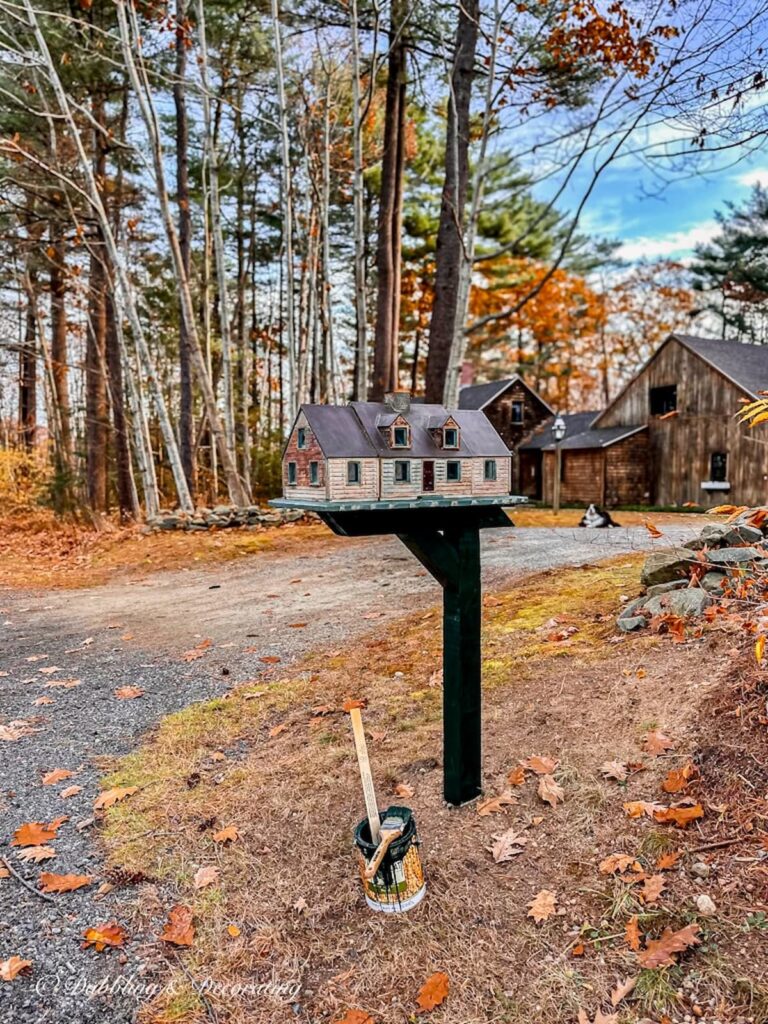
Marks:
<point>428,483</point>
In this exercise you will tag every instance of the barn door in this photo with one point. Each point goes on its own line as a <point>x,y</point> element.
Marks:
<point>428,482</point>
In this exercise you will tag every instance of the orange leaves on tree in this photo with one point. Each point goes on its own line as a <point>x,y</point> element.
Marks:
<point>433,992</point>
<point>179,929</point>
<point>11,968</point>
<point>103,935</point>
<point>661,952</point>
<point>50,882</point>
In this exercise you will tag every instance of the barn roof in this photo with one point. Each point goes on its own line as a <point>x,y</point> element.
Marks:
<point>743,363</point>
<point>575,423</point>
<point>477,396</point>
<point>580,435</point>
<point>356,431</point>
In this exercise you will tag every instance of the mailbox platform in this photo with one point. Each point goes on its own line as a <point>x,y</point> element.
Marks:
<point>444,534</point>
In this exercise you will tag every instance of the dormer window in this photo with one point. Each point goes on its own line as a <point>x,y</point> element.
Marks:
<point>450,437</point>
<point>401,437</point>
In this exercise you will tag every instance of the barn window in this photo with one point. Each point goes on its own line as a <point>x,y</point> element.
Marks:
<point>401,437</point>
<point>663,400</point>
<point>291,472</point>
<point>301,437</point>
<point>402,471</point>
<point>517,411</point>
<point>453,471</point>
<point>450,437</point>
<point>489,469</point>
<point>313,473</point>
<point>353,472</point>
<point>718,467</point>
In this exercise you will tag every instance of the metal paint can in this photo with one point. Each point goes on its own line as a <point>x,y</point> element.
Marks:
<point>399,883</point>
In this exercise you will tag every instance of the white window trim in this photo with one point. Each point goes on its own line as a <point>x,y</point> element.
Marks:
<point>452,447</point>
<point>407,436</point>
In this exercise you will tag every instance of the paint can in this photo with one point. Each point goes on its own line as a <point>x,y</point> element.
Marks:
<point>399,883</point>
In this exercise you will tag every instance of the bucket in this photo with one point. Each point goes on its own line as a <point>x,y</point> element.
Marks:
<point>399,883</point>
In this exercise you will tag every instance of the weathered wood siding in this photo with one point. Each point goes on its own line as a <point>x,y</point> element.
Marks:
<point>617,475</point>
<point>340,490</point>
<point>487,488</point>
<point>499,412</point>
<point>680,447</point>
<point>302,457</point>
<point>391,490</point>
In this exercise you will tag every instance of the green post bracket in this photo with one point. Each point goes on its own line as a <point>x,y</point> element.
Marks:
<point>444,535</point>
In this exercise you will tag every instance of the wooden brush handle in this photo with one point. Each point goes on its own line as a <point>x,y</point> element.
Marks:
<point>387,838</point>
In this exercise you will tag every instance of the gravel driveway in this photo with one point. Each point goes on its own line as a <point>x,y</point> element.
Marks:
<point>135,634</point>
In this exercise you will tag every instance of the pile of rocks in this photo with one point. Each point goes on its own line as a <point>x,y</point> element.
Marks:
<point>730,551</point>
<point>223,517</point>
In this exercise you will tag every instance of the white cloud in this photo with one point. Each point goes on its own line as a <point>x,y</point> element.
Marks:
<point>757,176</point>
<point>676,243</point>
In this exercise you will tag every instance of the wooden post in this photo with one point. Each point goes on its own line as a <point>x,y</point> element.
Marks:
<point>556,482</point>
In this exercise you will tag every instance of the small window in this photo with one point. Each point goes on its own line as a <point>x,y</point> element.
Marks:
<point>517,411</point>
<point>313,473</point>
<point>301,437</point>
<point>663,400</point>
<point>489,469</point>
<point>718,467</point>
<point>353,472</point>
<point>450,437</point>
<point>453,471</point>
<point>400,438</point>
<point>292,473</point>
<point>402,472</point>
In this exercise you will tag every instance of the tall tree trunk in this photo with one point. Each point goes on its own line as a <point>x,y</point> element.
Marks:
<point>28,367</point>
<point>388,246</point>
<point>360,383</point>
<point>244,266</point>
<point>126,489</point>
<point>450,240</point>
<point>59,353</point>
<point>186,399</point>
<point>96,409</point>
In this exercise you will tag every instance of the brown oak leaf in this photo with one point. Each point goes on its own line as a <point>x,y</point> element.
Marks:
<point>542,906</point>
<point>103,935</point>
<point>540,764</point>
<point>113,796</point>
<point>656,743</point>
<point>549,791</point>
<point>226,835</point>
<point>50,882</point>
<point>434,991</point>
<point>506,846</point>
<point>661,952</point>
<point>497,803</point>
<point>179,928</point>
<point>36,853</point>
<point>12,967</point>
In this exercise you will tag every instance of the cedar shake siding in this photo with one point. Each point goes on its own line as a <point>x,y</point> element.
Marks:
<point>338,480</point>
<point>614,475</point>
<point>689,394</point>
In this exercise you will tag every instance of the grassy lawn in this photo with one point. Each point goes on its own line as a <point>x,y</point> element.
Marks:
<point>275,760</point>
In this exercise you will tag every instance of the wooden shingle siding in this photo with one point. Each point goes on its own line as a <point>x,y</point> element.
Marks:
<point>501,484</point>
<point>626,472</point>
<point>390,489</point>
<point>340,490</point>
<point>617,475</point>
<point>680,447</point>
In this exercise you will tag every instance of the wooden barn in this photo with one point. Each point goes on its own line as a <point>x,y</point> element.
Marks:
<point>688,395</point>
<point>515,410</point>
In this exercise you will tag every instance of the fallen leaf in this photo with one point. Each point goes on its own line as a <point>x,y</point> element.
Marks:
<point>615,770</point>
<point>760,649</point>
<point>36,853</point>
<point>12,967</point>
<point>297,625</point>
<point>549,791</point>
<point>655,743</point>
<point>679,778</point>
<point>638,808</point>
<point>197,651</point>
<point>652,888</point>
<point>4,872</point>
<point>517,776</point>
<point>433,992</point>
<point>113,796</point>
<point>402,789</point>
<point>277,729</point>
<point>233,931</point>
<point>680,814</point>
<point>542,906</point>
<point>497,803</point>
<point>540,764</point>
<point>103,935</point>
<point>129,692</point>
<point>50,882</point>
<point>35,833</point>
<point>622,990</point>
<point>42,700</point>
<point>652,529</point>
<point>226,835</point>
<point>59,774</point>
<point>661,952</point>
<point>179,929</point>
<point>16,730</point>
<point>270,659</point>
<point>36,657</point>
<point>632,933</point>
<point>63,684</point>
<point>65,794</point>
<point>355,1017</point>
<point>668,860</point>
<point>206,876</point>
<point>620,862</point>
<point>506,846</point>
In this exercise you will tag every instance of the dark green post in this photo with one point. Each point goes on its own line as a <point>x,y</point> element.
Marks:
<point>462,695</point>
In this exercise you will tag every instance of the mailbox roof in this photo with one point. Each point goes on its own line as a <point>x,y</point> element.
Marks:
<point>355,431</point>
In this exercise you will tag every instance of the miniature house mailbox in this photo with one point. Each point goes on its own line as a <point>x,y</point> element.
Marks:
<point>435,478</point>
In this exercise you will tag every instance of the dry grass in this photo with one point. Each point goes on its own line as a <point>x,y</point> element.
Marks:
<point>295,798</point>
<point>571,517</point>
<point>39,550</point>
